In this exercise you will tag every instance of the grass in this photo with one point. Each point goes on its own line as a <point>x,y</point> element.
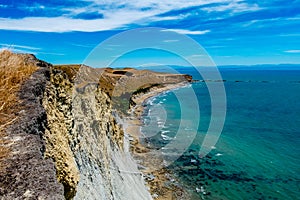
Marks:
<point>122,103</point>
<point>14,70</point>
<point>3,150</point>
<point>145,89</point>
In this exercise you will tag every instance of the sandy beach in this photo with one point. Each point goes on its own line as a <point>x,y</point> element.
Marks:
<point>162,185</point>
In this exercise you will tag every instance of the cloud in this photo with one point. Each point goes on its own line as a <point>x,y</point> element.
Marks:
<point>14,46</point>
<point>98,15</point>
<point>187,32</point>
<point>16,50</point>
<point>26,49</point>
<point>51,53</point>
<point>169,41</point>
<point>292,51</point>
<point>62,24</point>
<point>197,55</point>
<point>114,45</point>
<point>270,21</point>
<point>215,47</point>
<point>289,35</point>
<point>234,6</point>
<point>166,18</point>
<point>83,45</point>
<point>110,20</point>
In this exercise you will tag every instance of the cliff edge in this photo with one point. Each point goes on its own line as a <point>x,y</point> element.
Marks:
<point>25,173</point>
<point>59,138</point>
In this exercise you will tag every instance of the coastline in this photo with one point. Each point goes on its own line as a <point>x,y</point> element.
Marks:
<point>161,183</point>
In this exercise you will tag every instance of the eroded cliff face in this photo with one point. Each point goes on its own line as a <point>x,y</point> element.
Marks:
<point>58,134</point>
<point>107,171</point>
<point>86,143</point>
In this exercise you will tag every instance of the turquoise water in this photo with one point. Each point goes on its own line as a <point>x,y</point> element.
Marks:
<point>258,153</point>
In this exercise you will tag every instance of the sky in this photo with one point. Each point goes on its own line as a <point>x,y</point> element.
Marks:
<point>232,32</point>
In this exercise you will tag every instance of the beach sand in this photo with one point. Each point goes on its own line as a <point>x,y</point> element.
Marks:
<point>162,184</point>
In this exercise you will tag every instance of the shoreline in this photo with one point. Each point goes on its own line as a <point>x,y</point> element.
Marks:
<point>161,183</point>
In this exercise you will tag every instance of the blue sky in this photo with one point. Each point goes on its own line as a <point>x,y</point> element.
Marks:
<point>232,32</point>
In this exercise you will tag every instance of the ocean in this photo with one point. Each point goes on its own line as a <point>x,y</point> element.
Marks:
<point>257,155</point>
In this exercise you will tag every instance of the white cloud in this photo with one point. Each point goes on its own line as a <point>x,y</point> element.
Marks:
<point>61,24</point>
<point>292,51</point>
<point>14,46</point>
<point>26,49</point>
<point>114,45</point>
<point>17,50</point>
<point>197,55</point>
<point>83,45</point>
<point>117,14</point>
<point>157,6</point>
<point>289,35</point>
<point>233,6</point>
<point>214,47</point>
<point>34,7</point>
<point>167,18</point>
<point>262,22</point>
<point>188,32</point>
<point>168,41</point>
<point>113,19</point>
<point>51,53</point>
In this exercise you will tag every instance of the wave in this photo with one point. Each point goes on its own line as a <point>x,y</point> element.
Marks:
<point>165,137</point>
<point>166,131</point>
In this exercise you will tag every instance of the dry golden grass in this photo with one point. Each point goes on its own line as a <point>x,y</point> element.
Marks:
<point>3,150</point>
<point>14,70</point>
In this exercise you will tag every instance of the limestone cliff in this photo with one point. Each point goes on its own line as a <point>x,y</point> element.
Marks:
<point>64,141</point>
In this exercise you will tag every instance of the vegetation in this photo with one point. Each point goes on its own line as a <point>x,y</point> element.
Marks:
<point>122,103</point>
<point>14,70</point>
<point>145,89</point>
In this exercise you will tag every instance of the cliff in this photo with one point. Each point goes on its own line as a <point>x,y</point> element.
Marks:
<point>59,138</point>
<point>25,173</point>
